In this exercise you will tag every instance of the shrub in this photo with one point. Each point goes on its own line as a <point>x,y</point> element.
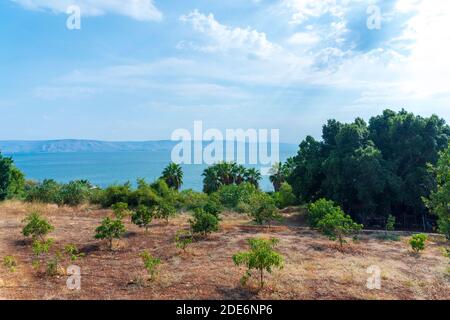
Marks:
<point>213,205</point>
<point>74,193</point>
<point>16,187</point>
<point>48,191</point>
<point>191,200</point>
<point>72,251</point>
<point>337,225</point>
<point>262,209</point>
<point>144,195</point>
<point>285,197</point>
<point>390,223</point>
<point>120,210</point>
<point>36,227</point>
<point>182,239</point>
<point>319,209</point>
<point>150,263</point>
<point>261,257</point>
<point>109,230</point>
<point>53,266</point>
<point>204,222</point>
<point>231,195</point>
<point>142,217</point>
<point>116,193</point>
<point>10,263</point>
<point>417,242</point>
<point>40,247</point>
<point>165,210</point>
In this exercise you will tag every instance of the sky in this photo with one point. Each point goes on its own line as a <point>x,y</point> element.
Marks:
<point>140,69</point>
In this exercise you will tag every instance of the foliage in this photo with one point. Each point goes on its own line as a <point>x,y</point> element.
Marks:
<point>284,197</point>
<point>16,187</point>
<point>36,226</point>
<point>228,173</point>
<point>280,172</point>
<point>203,222</point>
<point>143,217</point>
<point>116,193</point>
<point>10,263</point>
<point>48,191</point>
<point>319,209</point>
<point>150,263</point>
<point>120,210</point>
<point>439,200</point>
<point>261,257</point>
<point>109,230</point>
<point>73,252</point>
<point>231,195</point>
<point>262,208</point>
<point>417,242</point>
<point>183,238</point>
<point>372,169</point>
<point>213,205</point>
<point>53,265</point>
<point>40,247</point>
<point>74,193</point>
<point>191,199</point>
<point>337,225</point>
<point>173,176</point>
<point>165,210</point>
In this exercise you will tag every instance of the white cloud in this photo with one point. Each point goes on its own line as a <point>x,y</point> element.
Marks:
<point>142,10</point>
<point>303,38</point>
<point>222,38</point>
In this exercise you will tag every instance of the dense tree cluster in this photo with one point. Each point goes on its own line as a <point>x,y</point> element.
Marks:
<point>373,170</point>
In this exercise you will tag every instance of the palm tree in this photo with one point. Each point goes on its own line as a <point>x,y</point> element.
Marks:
<point>276,176</point>
<point>211,179</point>
<point>253,176</point>
<point>173,175</point>
<point>239,174</point>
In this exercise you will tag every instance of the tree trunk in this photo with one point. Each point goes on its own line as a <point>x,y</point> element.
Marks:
<point>261,283</point>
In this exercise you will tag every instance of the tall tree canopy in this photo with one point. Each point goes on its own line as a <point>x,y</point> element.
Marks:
<point>12,180</point>
<point>372,170</point>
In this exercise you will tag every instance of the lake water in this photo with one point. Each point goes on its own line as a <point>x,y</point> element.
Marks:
<point>105,168</point>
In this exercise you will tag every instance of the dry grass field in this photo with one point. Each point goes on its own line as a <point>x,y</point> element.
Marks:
<point>314,267</point>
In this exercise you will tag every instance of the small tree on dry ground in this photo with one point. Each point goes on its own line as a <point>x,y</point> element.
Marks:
<point>261,257</point>
<point>109,230</point>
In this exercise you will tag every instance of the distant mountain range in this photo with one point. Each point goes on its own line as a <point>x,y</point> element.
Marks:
<point>73,145</point>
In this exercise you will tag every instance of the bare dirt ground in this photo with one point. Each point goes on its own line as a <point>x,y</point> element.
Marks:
<point>314,267</point>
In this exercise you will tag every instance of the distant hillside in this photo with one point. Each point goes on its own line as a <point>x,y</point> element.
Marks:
<point>55,146</point>
<point>72,145</point>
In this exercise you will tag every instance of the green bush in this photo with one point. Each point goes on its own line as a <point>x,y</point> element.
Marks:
<point>417,242</point>
<point>151,264</point>
<point>36,226</point>
<point>262,209</point>
<point>74,193</point>
<point>183,238</point>
<point>319,209</point>
<point>10,263</point>
<point>48,191</point>
<point>116,193</point>
<point>213,205</point>
<point>285,197</point>
<point>165,210</point>
<point>144,195</point>
<point>231,195</point>
<point>120,210</point>
<point>109,230</point>
<point>204,222</point>
<point>261,257</point>
<point>191,199</point>
<point>73,252</point>
<point>337,225</point>
<point>143,216</point>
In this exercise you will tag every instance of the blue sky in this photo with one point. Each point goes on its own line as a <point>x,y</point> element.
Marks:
<point>138,70</point>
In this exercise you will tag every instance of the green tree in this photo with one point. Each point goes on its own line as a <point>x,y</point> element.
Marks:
<point>74,193</point>
<point>417,242</point>
<point>337,225</point>
<point>262,209</point>
<point>151,264</point>
<point>439,200</point>
<point>203,222</point>
<point>16,188</point>
<point>261,257</point>
<point>319,209</point>
<point>109,230</point>
<point>143,217</point>
<point>182,239</point>
<point>284,197</point>
<point>173,175</point>
<point>36,226</point>
<point>12,180</point>
<point>165,210</point>
<point>120,210</point>
<point>253,176</point>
